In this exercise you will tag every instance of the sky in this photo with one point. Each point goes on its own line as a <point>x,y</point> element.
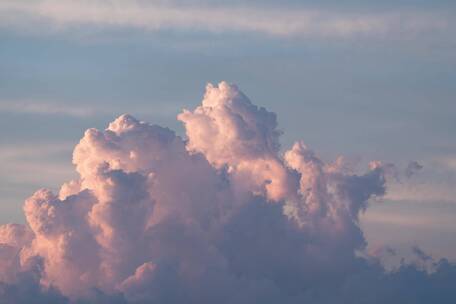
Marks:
<point>369,80</point>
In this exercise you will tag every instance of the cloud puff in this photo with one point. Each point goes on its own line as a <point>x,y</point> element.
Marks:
<point>219,217</point>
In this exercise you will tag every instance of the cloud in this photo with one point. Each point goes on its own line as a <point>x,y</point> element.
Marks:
<point>266,19</point>
<point>428,183</point>
<point>23,151</point>
<point>29,161</point>
<point>36,107</point>
<point>411,220</point>
<point>81,111</point>
<point>412,168</point>
<point>218,217</point>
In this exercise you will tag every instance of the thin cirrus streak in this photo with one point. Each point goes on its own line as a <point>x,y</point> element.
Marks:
<point>38,107</point>
<point>268,20</point>
<point>221,217</point>
<point>81,111</point>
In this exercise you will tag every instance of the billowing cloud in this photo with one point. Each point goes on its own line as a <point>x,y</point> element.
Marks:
<point>221,216</point>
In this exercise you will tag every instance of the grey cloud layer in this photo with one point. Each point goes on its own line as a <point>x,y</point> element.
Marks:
<point>220,217</point>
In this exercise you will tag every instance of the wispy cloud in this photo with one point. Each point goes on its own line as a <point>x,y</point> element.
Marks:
<point>433,184</point>
<point>35,107</point>
<point>19,151</point>
<point>84,110</point>
<point>32,163</point>
<point>151,16</point>
<point>425,221</point>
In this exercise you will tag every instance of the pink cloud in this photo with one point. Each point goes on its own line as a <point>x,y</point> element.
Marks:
<point>218,217</point>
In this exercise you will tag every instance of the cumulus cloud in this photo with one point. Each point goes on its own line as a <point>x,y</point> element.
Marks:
<point>221,216</point>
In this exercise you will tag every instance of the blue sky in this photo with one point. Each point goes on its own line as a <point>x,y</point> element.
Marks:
<point>367,79</point>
